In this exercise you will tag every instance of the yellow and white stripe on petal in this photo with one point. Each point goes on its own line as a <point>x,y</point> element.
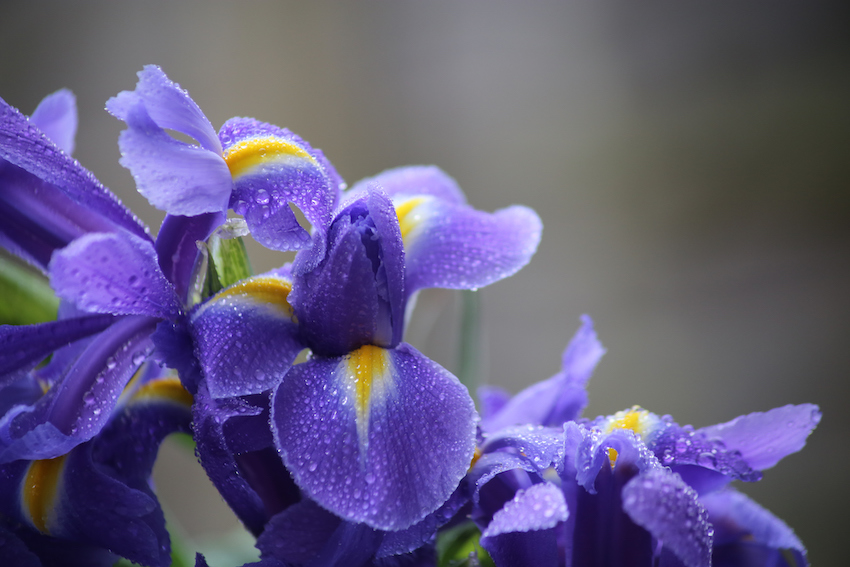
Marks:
<point>272,291</point>
<point>247,156</point>
<point>368,374</point>
<point>413,212</point>
<point>40,491</point>
<point>636,419</point>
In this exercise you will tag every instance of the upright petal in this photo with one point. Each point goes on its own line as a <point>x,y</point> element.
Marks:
<point>378,436</point>
<point>410,181</point>
<point>56,117</point>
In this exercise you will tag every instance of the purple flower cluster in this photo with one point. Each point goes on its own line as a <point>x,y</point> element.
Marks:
<point>365,453</point>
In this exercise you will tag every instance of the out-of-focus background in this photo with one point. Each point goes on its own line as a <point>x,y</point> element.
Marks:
<point>691,164</point>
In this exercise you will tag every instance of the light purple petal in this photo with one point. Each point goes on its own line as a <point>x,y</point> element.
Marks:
<point>737,518</point>
<point>113,273</point>
<point>174,176</point>
<point>561,398</point>
<point>413,180</point>
<point>539,507</point>
<point>56,116</point>
<point>380,436</point>
<point>491,400</point>
<point>272,167</point>
<point>245,337</point>
<point>765,438</point>
<point>664,505</point>
<point>168,105</point>
<point>454,246</point>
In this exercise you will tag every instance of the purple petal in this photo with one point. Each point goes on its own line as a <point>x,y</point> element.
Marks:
<point>56,117</point>
<point>539,507</point>
<point>245,337</point>
<point>542,446</point>
<point>491,400</point>
<point>272,167</point>
<point>737,518</point>
<point>765,438</point>
<point>380,436</point>
<point>423,532</point>
<point>75,409</point>
<point>561,398</point>
<point>28,345</point>
<point>174,176</point>
<point>413,180</point>
<point>177,246</point>
<point>168,105</point>
<point>113,273</point>
<point>23,145</point>
<point>455,246</point>
<point>668,508</point>
<point>15,551</point>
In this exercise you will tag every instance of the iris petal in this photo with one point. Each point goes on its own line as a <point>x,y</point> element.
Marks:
<point>382,440</point>
<point>56,116</point>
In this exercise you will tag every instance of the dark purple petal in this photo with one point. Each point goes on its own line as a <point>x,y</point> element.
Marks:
<point>413,180</point>
<point>113,273</point>
<point>56,117</point>
<point>356,295</point>
<point>455,246</point>
<point>765,438</point>
<point>174,176</point>
<point>379,436</point>
<point>272,167</point>
<point>423,532</point>
<point>168,105</point>
<point>25,346</point>
<point>736,518</point>
<point>245,337</point>
<point>76,408</point>
<point>177,246</point>
<point>561,398</point>
<point>661,502</point>
<point>522,532</point>
<point>23,145</point>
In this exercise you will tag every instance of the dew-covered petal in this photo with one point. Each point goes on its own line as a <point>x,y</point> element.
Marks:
<point>169,106</point>
<point>378,436</point>
<point>113,273</point>
<point>245,337</point>
<point>25,346</point>
<point>410,181</point>
<point>522,532</point>
<point>561,398</point>
<point>738,519</point>
<point>542,446</point>
<point>176,177</point>
<point>56,117</point>
<point>765,438</point>
<point>356,295</point>
<point>75,409</point>
<point>454,246</point>
<point>74,498</point>
<point>423,532</point>
<point>272,167</point>
<point>235,448</point>
<point>668,508</point>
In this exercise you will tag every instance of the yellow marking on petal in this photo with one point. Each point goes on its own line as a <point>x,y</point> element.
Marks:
<point>612,456</point>
<point>39,490</point>
<point>368,368</point>
<point>409,215</point>
<point>248,154</point>
<point>265,289</point>
<point>167,388</point>
<point>475,456</point>
<point>635,419</point>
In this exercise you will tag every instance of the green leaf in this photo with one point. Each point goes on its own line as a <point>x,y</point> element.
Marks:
<point>26,295</point>
<point>222,262</point>
<point>458,547</point>
<point>469,351</point>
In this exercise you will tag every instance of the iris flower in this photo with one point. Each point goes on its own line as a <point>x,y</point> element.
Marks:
<point>632,488</point>
<point>369,428</point>
<point>78,436</point>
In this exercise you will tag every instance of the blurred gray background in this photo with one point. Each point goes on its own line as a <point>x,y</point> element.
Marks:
<point>690,163</point>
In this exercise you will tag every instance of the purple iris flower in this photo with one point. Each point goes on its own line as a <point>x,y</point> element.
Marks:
<point>70,477</point>
<point>368,427</point>
<point>632,488</point>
